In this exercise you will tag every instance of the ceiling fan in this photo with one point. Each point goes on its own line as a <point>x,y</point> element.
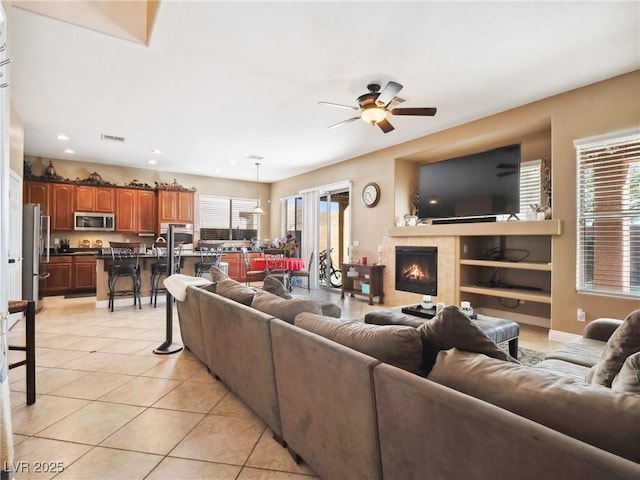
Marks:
<point>375,105</point>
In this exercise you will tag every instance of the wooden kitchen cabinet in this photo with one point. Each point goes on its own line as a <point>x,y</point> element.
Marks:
<point>135,211</point>
<point>37,192</point>
<point>60,270</point>
<point>62,206</point>
<point>84,272</point>
<point>175,206</point>
<point>90,198</point>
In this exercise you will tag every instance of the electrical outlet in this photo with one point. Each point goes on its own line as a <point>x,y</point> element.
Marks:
<point>581,315</point>
<point>356,243</point>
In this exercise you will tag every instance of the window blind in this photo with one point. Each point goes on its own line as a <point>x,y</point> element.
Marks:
<point>294,214</point>
<point>227,218</point>
<point>608,215</point>
<point>530,186</point>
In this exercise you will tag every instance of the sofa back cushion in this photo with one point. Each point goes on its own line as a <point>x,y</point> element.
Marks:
<point>625,341</point>
<point>229,288</point>
<point>593,414</point>
<point>628,380</point>
<point>282,308</point>
<point>272,285</point>
<point>397,345</point>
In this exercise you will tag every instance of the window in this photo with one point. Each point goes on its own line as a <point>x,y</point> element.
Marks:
<point>530,186</point>
<point>225,218</point>
<point>294,214</point>
<point>608,200</point>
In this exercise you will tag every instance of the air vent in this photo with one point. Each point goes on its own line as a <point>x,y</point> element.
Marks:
<point>254,157</point>
<point>113,138</point>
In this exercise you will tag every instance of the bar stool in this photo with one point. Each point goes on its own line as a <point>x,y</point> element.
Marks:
<point>125,262</point>
<point>210,255</point>
<point>17,306</point>
<point>159,268</point>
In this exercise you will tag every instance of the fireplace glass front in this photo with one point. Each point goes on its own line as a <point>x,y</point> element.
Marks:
<point>417,270</point>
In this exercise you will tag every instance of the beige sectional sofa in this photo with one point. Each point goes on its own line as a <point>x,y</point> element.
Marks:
<point>357,415</point>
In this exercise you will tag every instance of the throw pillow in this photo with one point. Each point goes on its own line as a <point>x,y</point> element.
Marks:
<point>284,309</point>
<point>229,288</point>
<point>628,380</point>
<point>397,345</point>
<point>217,274</point>
<point>453,329</point>
<point>625,341</point>
<point>275,286</point>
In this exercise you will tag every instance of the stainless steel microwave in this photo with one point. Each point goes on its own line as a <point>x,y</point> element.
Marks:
<point>91,221</point>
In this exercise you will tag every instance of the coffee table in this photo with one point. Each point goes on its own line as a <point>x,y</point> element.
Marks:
<point>499,330</point>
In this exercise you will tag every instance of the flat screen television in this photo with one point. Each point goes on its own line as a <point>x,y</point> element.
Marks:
<point>479,185</point>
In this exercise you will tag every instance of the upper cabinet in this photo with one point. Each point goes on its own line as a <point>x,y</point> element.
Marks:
<point>90,198</point>
<point>37,192</point>
<point>62,206</point>
<point>175,206</point>
<point>135,210</point>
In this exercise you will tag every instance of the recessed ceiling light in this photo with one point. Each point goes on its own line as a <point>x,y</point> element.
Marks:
<point>218,170</point>
<point>232,162</point>
<point>156,151</point>
<point>152,162</point>
<point>68,150</point>
<point>62,137</point>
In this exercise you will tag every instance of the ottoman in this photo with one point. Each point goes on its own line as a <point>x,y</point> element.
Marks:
<point>499,330</point>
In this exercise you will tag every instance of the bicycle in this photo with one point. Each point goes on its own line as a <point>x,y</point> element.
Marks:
<point>335,278</point>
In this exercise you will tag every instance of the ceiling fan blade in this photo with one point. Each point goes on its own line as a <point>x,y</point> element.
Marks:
<point>344,122</point>
<point>425,112</point>
<point>385,126</point>
<point>339,105</point>
<point>395,101</point>
<point>388,93</point>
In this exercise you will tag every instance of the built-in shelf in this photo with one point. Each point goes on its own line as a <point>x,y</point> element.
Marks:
<point>542,227</point>
<point>542,267</point>
<point>515,293</point>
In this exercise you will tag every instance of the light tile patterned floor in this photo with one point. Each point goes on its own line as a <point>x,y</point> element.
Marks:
<point>108,407</point>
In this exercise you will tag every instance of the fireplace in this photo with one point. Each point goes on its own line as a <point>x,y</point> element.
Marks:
<point>417,270</point>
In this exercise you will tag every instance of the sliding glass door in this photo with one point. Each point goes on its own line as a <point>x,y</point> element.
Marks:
<point>333,233</point>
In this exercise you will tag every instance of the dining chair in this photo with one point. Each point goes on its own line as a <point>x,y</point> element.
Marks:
<point>304,273</point>
<point>249,274</point>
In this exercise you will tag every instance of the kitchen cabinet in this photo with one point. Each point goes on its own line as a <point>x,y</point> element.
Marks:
<point>90,198</point>
<point>84,272</point>
<point>60,270</point>
<point>135,211</point>
<point>62,206</point>
<point>175,206</point>
<point>37,192</point>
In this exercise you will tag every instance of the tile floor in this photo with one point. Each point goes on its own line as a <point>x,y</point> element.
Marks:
<point>108,407</point>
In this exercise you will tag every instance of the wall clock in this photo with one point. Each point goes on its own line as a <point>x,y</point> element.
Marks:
<point>371,194</point>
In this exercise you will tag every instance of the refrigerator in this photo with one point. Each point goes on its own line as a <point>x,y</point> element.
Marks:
<point>36,239</point>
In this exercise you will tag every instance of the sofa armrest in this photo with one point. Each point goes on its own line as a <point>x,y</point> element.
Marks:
<point>601,329</point>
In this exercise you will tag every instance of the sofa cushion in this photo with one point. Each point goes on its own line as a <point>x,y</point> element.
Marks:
<point>451,328</point>
<point>563,369</point>
<point>397,345</point>
<point>229,288</point>
<point>581,351</point>
<point>282,308</point>
<point>591,413</point>
<point>272,285</point>
<point>628,380</point>
<point>625,341</point>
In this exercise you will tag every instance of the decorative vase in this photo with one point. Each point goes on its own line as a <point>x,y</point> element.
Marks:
<point>50,171</point>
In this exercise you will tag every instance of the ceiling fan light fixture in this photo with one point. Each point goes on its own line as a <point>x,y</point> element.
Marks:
<point>373,114</point>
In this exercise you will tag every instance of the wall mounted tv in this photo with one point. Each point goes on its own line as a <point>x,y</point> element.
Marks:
<point>480,185</point>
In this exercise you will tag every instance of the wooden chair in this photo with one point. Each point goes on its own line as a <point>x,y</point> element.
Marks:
<point>304,273</point>
<point>249,274</point>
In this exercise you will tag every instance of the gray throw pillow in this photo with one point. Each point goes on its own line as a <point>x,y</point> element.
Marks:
<point>625,341</point>
<point>628,380</point>
<point>452,329</point>
<point>217,274</point>
<point>397,345</point>
<point>284,309</point>
<point>229,288</point>
<point>275,286</point>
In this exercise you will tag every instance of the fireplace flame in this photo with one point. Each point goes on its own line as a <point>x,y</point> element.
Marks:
<point>414,272</point>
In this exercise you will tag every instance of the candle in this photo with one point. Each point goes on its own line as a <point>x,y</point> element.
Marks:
<point>379,248</point>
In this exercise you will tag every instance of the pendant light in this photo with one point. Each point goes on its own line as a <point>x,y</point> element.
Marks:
<point>257,210</point>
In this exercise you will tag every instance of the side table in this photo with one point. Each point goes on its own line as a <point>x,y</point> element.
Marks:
<point>369,277</point>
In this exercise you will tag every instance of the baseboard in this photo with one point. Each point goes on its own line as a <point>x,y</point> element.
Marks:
<point>516,317</point>
<point>563,337</point>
